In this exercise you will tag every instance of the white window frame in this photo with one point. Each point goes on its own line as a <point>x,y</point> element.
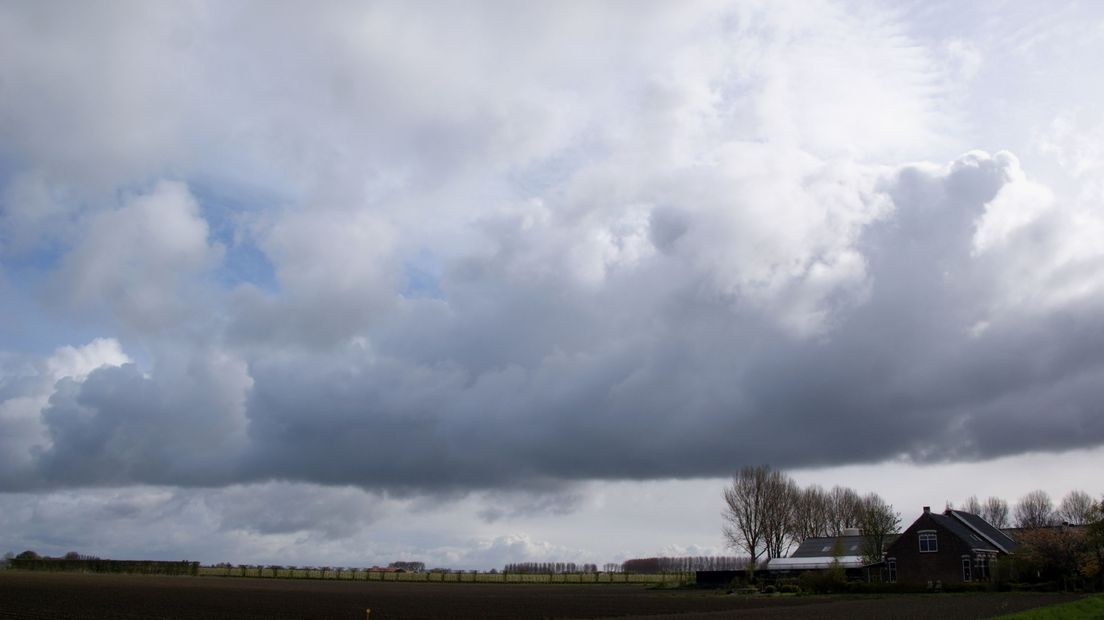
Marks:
<point>891,568</point>
<point>981,567</point>
<point>929,537</point>
<point>967,569</point>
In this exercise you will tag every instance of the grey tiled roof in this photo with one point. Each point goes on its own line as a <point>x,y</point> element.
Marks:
<point>987,531</point>
<point>962,531</point>
<point>823,547</point>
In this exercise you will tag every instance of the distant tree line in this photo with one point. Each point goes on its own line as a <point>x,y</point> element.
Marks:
<point>31,555</point>
<point>649,566</point>
<point>73,561</point>
<point>410,567</point>
<point>683,564</point>
<point>549,567</point>
<point>766,513</point>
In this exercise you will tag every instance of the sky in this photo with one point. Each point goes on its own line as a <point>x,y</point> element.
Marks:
<point>472,283</point>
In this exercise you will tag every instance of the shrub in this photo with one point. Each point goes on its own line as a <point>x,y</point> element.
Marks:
<point>769,590</point>
<point>790,588</point>
<point>825,581</point>
<point>744,591</point>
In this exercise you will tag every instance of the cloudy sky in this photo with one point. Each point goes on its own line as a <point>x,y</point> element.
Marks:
<point>470,283</point>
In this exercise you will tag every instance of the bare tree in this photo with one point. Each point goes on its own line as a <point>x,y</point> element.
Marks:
<point>995,511</point>
<point>747,502</point>
<point>1035,510</point>
<point>1076,508</point>
<point>812,513</point>
<point>845,510</point>
<point>972,505</point>
<point>878,521</point>
<point>778,515</point>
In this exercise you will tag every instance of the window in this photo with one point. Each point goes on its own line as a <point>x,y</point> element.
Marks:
<point>981,567</point>
<point>891,568</point>
<point>966,568</point>
<point>928,542</point>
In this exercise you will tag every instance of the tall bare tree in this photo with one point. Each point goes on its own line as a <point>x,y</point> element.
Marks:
<point>812,513</point>
<point>1076,507</point>
<point>877,520</point>
<point>745,508</point>
<point>1035,510</point>
<point>846,508</point>
<point>995,511</point>
<point>778,515</point>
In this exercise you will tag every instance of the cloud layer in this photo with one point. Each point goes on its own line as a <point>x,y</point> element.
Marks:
<point>507,248</point>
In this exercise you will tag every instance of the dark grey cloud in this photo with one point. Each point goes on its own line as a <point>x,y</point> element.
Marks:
<point>538,500</point>
<point>524,375</point>
<point>178,425</point>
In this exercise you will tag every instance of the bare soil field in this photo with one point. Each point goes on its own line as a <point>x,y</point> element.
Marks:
<point>69,595</point>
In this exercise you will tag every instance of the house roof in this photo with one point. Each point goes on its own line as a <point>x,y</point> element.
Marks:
<point>984,529</point>
<point>964,532</point>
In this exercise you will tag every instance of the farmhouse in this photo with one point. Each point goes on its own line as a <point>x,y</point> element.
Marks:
<point>953,547</point>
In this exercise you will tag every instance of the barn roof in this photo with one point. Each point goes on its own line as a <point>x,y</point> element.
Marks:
<point>810,563</point>
<point>823,547</point>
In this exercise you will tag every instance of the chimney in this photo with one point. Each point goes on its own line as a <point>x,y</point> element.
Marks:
<point>927,509</point>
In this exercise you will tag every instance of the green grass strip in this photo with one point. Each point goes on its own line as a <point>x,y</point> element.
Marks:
<point>1092,607</point>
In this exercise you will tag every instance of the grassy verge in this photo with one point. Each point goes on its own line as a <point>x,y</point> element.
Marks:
<point>1092,607</point>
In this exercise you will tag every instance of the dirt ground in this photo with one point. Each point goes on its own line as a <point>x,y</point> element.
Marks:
<point>68,595</point>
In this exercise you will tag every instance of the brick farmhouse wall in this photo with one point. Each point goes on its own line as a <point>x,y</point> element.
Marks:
<point>916,567</point>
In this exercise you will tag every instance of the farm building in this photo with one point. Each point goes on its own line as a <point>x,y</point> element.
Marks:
<point>952,547</point>
<point>821,552</point>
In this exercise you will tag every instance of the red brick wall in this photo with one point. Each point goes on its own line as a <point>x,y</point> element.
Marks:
<point>944,565</point>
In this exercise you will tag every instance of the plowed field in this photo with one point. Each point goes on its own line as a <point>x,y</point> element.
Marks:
<point>67,595</point>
